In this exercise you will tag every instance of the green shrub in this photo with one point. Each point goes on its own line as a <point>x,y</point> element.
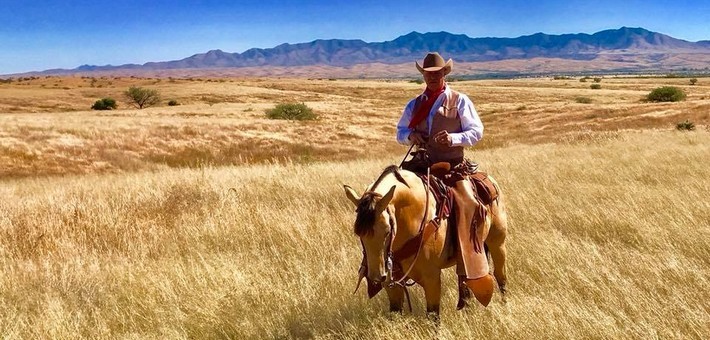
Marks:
<point>595,86</point>
<point>666,94</point>
<point>104,104</point>
<point>173,103</point>
<point>291,111</point>
<point>583,100</point>
<point>687,125</point>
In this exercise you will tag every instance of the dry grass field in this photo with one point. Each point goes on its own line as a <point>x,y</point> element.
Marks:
<point>48,129</point>
<point>206,220</point>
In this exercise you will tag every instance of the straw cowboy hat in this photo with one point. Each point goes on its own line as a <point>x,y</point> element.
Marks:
<point>434,62</point>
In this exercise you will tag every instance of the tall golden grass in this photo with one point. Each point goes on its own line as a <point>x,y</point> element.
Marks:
<point>609,239</point>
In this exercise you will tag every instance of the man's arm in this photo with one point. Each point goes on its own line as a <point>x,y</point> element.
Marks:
<point>403,129</point>
<point>471,125</point>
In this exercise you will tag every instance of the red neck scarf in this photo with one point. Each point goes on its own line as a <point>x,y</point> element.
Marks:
<point>424,104</point>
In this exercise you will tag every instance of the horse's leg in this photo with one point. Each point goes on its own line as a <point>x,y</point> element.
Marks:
<point>396,297</point>
<point>496,242</point>
<point>432,295</point>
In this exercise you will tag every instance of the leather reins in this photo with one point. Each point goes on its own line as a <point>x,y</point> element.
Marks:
<point>393,258</point>
<point>390,256</point>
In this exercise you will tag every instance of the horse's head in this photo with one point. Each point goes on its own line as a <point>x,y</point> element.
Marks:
<point>374,225</point>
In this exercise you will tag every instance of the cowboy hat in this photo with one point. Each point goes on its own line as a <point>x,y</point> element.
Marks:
<point>434,62</point>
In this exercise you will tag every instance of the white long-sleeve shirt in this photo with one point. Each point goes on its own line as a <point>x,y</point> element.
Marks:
<point>471,125</point>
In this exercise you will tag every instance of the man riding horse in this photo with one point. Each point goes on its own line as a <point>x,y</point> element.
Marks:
<point>442,122</point>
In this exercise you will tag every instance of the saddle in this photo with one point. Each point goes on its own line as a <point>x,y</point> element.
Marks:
<point>443,178</point>
<point>486,191</point>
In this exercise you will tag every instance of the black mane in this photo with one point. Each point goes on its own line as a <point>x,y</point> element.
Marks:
<point>366,208</point>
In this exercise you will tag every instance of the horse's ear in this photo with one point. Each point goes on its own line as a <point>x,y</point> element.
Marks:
<point>351,195</point>
<point>382,204</point>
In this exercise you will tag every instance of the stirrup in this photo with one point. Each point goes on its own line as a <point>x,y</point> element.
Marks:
<point>482,288</point>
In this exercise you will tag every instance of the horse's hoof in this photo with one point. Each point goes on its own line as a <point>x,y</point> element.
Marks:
<point>461,304</point>
<point>503,295</point>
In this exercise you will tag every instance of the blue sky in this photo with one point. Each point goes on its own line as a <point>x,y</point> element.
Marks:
<point>39,35</point>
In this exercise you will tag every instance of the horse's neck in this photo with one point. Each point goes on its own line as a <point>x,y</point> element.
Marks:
<point>412,208</point>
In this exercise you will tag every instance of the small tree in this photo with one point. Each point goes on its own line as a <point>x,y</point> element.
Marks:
<point>104,104</point>
<point>693,81</point>
<point>666,94</point>
<point>142,97</point>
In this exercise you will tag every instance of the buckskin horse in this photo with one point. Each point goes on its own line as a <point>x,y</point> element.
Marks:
<point>394,221</point>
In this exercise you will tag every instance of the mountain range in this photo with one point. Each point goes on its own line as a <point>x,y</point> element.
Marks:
<point>641,49</point>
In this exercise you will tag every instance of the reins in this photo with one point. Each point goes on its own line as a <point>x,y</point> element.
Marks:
<point>422,225</point>
<point>405,156</point>
<point>393,258</point>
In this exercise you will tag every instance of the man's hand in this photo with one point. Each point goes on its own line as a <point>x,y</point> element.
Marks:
<point>443,138</point>
<point>417,138</point>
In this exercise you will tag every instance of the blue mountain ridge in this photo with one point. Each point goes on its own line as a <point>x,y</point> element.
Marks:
<point>412,46</point>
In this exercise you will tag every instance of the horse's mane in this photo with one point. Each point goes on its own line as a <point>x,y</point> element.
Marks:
<point>365,218</point>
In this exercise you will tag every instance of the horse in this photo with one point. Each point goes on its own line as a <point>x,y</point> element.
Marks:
<point>391,214</point>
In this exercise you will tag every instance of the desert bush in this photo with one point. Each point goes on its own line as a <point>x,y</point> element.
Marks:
<point>173,103</point>
<point>687,125</point>
<point>595,86</point>
<point>693,81</point>
<point>584,79</point>
<point>583,100</point>
<point>666,94</point>
<point>417,81</point>
<point>141,97</point>
<point>291,111</point>
<point>104,104</point>
<point>597,80</point>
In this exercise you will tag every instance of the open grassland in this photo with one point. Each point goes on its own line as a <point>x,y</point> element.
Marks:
<point>207,220</point>
<point>46,127</point>
<point>609,239</point>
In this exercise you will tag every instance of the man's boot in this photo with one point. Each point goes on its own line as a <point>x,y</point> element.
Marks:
<point>464,293</point>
